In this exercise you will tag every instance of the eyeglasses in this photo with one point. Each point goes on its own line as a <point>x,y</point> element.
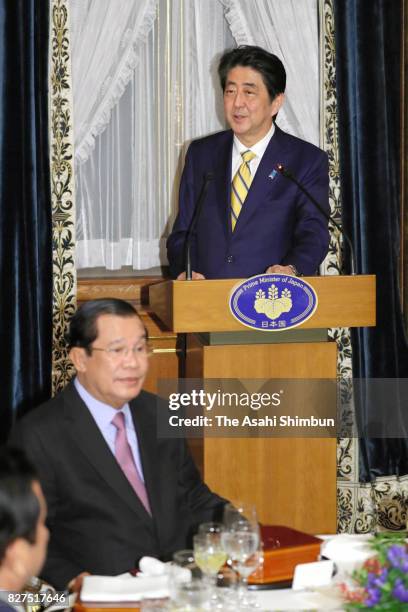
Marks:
<point>117,353</point>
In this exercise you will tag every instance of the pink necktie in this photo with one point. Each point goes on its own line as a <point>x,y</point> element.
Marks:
<point>124,457</point>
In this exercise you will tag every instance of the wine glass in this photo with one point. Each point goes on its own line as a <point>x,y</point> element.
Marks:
<point>210,527</point>
<point>236,511</point>
<point>241,544</point>
<point>241,517</point>
<point>209,554</point>
<point>244,514</point>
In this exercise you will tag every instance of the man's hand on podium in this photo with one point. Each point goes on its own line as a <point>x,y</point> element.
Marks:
<point>195,276</point>
<point>277,269</point>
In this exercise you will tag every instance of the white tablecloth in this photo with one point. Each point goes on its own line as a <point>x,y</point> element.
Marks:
<point>286,599</point>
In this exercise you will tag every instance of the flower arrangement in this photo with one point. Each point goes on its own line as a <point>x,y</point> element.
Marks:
<point>383,579</point>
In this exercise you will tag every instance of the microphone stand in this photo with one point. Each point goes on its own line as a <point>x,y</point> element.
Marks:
<point>288,174</point>
<point>207,178</point>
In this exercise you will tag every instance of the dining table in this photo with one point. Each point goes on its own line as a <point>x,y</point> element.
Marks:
<point>267,600</point>
<point>347,551</point>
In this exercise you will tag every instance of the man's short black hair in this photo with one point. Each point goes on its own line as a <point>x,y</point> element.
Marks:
<point>83,329</point>
<point>19,505</point>
<point>267,64</point>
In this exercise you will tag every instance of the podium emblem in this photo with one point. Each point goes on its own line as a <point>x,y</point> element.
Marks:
<point>273,302</point>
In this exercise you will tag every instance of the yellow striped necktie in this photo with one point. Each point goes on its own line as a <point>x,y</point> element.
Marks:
<point>240,186</point>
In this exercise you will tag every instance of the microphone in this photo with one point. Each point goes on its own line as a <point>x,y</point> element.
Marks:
<point>288,174</point>
<point>197,211</point>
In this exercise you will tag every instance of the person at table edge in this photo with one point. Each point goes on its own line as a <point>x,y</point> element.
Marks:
<point>98,522</point>
<point>277,229</point>
<point>23,534</point>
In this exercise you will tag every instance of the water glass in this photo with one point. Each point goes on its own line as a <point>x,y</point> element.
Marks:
<point>185,559</point>
<point>194,595</point>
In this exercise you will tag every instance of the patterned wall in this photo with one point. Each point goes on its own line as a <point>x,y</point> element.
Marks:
<point>382,504</point>
<point>62,189</point>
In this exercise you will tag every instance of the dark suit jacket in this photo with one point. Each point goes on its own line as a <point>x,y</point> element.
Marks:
<point>5,607</point>
<point>96,520</point>
<point>277,224</point>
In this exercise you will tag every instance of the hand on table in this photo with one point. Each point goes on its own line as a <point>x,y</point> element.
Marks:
<point>75,585</point>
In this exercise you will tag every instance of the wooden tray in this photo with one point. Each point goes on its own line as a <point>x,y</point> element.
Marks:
<point>284,548</point>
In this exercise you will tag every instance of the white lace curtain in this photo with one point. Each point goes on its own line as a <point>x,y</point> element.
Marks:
<point>127,176</point>
<point>288,28</point>
<point>105,39</point>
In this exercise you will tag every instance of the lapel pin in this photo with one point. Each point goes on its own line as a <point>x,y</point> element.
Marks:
<point>272,175</point>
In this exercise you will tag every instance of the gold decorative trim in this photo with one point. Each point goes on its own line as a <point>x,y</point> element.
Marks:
<point>346,448</point>
<point>329,130</point>
<point>134,289</point>
<point>330,143</point>
<point>105,290</point>
<point>62,190</point>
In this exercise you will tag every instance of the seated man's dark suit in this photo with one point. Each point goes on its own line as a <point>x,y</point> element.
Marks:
<point>96,520</point>
<point>277,223</point>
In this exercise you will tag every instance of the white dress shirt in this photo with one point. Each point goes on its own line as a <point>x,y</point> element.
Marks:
<point>258,148</point>
<point>103,415</point>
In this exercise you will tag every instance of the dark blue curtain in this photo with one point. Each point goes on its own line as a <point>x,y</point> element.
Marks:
<point>25,210</point>
<point>368,64</point>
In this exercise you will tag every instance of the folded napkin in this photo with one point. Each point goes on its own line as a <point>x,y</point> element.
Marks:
<point>152,581</point>
<point>312,575</point>
<point>348,551</point>
<point>123,588</point>
<point>149,566</point>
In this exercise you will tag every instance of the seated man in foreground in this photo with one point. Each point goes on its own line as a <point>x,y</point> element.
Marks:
<point>115,492</point>
<point>23,534</point>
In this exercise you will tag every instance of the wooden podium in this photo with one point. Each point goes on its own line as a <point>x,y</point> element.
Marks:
<point>292,481</point>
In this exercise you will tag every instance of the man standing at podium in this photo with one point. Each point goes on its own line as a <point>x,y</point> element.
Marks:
<point>253,219</point>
